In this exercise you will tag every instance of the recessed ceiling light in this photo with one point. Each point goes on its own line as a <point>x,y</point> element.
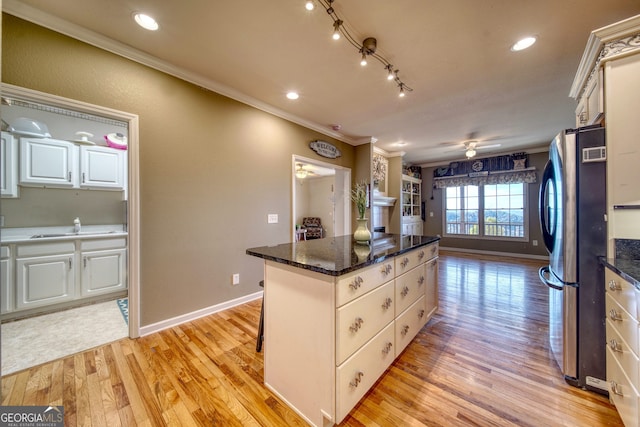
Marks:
<point>309,5</point>
<point>146,21</point>
<point>523,44</point>
<point>293,95</point>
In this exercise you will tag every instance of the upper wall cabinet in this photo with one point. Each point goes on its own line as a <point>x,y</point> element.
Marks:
<point>48,162</point>
<point>102,167</point>
<point>9,166</point>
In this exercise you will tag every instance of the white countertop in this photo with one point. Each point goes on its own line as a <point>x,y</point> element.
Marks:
<point>23,235</point>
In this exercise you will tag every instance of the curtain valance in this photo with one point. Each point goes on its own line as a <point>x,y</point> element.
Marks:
<point>527,176</point>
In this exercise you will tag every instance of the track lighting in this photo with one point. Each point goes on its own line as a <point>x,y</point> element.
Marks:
<point>336,29</point>
<point>366,48</point>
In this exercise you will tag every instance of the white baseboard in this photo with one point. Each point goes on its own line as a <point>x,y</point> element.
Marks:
<point>503,254</point>
<point>174,321</point>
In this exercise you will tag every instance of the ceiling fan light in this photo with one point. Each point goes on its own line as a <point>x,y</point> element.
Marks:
<point>470,153</point>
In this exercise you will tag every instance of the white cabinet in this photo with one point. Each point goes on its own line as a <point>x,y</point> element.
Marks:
<point>9,166</point>
<point>329,339</point>
<point>48,162</point>
<point>6,278</point>
<point>622,78</point>
<point>622,302</point>
<point>103,266</point>
<point>411,197</point>
<point>102,167</point>
<point>591,104</point>
<point>45,274</point>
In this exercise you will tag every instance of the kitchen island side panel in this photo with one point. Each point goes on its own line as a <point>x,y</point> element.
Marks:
<point>299,358</point>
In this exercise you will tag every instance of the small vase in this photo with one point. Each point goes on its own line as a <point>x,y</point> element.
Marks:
<point>362,234</point>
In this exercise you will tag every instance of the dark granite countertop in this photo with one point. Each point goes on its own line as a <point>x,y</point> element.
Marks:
<point>340,255</point>
<point>628,269</point>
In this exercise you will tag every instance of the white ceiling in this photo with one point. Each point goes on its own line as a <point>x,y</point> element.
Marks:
<point>455,54</point>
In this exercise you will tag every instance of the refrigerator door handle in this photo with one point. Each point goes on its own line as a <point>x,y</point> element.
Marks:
<point>547,216</point>
<point>547,278</point>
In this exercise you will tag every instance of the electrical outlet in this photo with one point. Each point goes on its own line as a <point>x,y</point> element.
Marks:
<point>272,218</point>
<point>534,243</point>
<point>235,279</point>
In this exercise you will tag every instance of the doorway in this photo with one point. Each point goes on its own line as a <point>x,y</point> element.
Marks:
<point>115,204</point>
<point>320,190</point>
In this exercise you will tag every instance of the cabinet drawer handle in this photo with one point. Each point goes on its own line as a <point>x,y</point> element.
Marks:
<point>356,325</point>
<point>615,388</point>
<point>404,291</point>
<point>614,286</point>
<point>404,262</point>
<point>357,282</point>
<point>421,314</point>
<point>404,330</point>
<point>387,303</point>
<point>83,181</point>
<point>421,280</point>
<point>84,260</point>
<point>386,269</point>
<point>433,250</point>
<point>421,255</point>
<point>70,263</point>
<point>387,348</point>
<point>69,175</point>
<point>615,346</point>
<point>357,379</point>
<point>613,315</point>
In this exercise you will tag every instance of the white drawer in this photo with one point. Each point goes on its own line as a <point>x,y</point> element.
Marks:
<point>622,393</point>
<point>99,244</point>
<point>409,323</point>
<point>411,259</point>
<point>622,291</point>
<point>622,322</point>
<point>623,354</point>
<point>352,285</point>
<point>361,319</point>
<point>39,249</point>
<point>356,375</point>
<point>409,287</point>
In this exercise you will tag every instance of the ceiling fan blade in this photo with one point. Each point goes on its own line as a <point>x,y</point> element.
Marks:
<point>481,147</point>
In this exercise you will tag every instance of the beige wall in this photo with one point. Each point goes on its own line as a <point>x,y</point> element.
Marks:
<point>434,225</point>
<point>211,168</point>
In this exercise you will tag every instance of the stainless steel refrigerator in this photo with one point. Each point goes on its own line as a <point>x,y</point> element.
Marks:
<point>572,218</point>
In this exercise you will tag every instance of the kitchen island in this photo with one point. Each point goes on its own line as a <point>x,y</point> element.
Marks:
<point>338,313</point>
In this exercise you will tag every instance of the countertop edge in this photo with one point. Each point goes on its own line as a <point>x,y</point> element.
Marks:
<point>335,273</point>
<point>607,263</point>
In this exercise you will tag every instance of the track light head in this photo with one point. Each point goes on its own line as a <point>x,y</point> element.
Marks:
<point>336,29</point>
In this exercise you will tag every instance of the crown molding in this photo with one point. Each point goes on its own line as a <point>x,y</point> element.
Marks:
<point>598,39</point>
<point>31,14</point>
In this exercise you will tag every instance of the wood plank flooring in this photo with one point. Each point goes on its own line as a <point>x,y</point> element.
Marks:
<point>483,360</point>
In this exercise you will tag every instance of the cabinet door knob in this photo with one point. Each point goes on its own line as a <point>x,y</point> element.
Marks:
<point>615,388</point>
<point>404,330</point>
<point>404,291</point>
<point>615,346</point>
<point>387,303</point>
<point>387,348</point>
<point>357,324</point>
<point>421,255</point>
<point>356,380</point>
<point>421,280</point>
<point>420,314</point>
<point>614,286</point>
<point>357,282</point>
<point>613,315</point>
<point>404,262</point>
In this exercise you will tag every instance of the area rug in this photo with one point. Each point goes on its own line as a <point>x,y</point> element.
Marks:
<point>123,305</point>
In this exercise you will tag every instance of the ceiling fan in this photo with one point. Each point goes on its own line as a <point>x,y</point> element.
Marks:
<point>472,146</point>
<point>302,172</point>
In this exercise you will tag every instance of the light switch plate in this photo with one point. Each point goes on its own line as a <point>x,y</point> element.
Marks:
<point>272,218</point>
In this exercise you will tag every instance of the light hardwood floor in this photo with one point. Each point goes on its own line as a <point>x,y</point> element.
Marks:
<point>483,360</point>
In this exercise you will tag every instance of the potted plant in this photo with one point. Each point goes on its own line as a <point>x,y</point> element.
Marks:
<point>359,197</point>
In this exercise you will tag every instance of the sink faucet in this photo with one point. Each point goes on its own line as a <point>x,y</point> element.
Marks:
<point>76,225</point>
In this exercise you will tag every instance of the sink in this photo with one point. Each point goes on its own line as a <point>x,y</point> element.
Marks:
<point>82,233</point>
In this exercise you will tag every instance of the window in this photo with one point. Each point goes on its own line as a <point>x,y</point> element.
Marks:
<point>490,210</point>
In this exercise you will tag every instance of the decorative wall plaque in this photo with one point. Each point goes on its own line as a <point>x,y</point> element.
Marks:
<point>325,149</point>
